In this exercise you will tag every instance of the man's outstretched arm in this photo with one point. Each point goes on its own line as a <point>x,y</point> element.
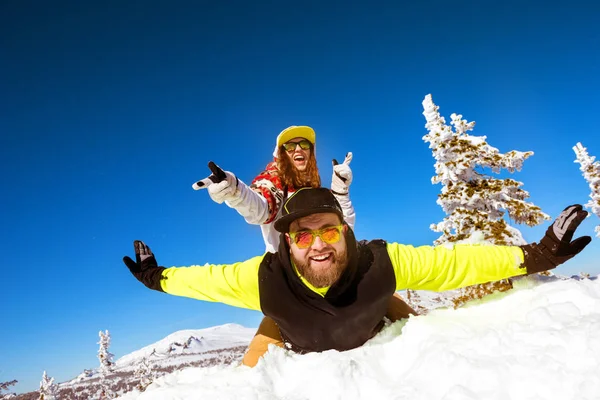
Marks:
<point>233,284</point>
<point>444,268</point>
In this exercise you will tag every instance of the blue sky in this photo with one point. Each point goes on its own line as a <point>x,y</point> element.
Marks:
<point>111,110</point>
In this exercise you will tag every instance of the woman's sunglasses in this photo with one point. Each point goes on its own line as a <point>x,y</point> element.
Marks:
<point>291,146</point>
<point>329,235</point>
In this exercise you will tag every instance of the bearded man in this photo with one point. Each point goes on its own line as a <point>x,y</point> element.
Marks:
<point>324,290</point>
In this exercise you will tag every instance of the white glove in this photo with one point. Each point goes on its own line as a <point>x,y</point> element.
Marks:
<point>342,176</point>
<point>224,186</point>
<point>224,190</point>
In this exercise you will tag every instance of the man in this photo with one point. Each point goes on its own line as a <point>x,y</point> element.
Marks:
<point>326,291</point>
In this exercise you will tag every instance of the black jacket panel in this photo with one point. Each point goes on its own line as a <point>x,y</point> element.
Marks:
<point>351,312</point>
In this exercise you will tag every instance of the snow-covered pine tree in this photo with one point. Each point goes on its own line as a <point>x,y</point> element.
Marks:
<point>145,374</point>
<point>475,202</point>
<point>413,299</point>
<point>591,172</point>
<point>4,388</point>
<point>106,365</point>
<point>48,389</point>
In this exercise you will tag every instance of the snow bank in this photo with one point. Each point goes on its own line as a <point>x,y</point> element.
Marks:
<point>539,341</point>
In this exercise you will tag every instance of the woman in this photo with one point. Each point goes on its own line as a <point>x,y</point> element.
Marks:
<point>294,166</point>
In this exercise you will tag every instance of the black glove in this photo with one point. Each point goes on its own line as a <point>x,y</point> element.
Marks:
<point>144,268</point>
<point>556,246</point>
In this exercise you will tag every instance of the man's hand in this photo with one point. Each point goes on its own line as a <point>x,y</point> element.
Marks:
<point>342,176</point>
<point>144,268</point>
<point>557,246</point>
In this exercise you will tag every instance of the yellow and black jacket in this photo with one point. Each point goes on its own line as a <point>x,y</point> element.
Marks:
<point>347,314</point>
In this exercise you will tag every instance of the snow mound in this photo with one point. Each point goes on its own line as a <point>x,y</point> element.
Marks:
<point>538,341</point>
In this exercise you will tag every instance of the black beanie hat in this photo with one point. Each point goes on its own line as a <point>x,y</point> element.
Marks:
<point>307,201</point>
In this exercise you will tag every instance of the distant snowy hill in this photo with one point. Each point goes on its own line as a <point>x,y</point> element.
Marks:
<point>190,344</point>
<point>219,345</point>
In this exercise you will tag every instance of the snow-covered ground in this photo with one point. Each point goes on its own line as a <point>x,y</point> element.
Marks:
<point>538,341</point>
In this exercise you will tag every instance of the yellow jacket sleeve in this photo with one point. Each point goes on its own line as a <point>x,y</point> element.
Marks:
<point>233,284</point>
<point>443,268</point>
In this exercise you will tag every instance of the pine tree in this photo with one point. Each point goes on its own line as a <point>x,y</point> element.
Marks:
<point>48,389</point>
<point>591,172</point>
<point>106,365</point>
<point>145,374</point>
<point>4,388</point>
<point>413,299</point>
<point>475,202</point>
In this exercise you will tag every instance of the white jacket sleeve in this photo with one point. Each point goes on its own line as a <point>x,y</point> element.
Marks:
<point>250,204</point>
<point>347,209</point>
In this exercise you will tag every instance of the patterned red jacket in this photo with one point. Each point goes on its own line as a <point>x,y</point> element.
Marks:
<point>269,185</point>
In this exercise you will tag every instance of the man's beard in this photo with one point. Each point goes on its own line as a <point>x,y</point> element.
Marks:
<point>322,278</point>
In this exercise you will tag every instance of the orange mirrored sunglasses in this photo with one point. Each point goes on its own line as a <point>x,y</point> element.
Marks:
<point>329,235</point>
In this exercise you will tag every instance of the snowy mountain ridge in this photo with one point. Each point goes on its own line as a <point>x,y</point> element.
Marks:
<point>218,345</point>
<point>191,341</point>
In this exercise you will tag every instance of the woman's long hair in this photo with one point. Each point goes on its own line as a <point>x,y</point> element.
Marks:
<point>290,176</point>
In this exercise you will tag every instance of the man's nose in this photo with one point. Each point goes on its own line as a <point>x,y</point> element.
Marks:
<point>318,243</point>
